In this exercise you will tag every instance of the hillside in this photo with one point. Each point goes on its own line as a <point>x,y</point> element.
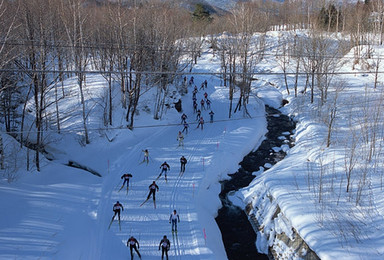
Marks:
<point>63,212</point>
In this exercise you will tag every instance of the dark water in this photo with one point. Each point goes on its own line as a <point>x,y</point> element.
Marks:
<point>238,235</point>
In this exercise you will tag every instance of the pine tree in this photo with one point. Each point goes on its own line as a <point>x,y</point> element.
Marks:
<point>328,17</point>
<point>201,14</point>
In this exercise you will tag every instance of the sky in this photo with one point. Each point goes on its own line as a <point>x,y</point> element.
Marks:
<point>63,212</point>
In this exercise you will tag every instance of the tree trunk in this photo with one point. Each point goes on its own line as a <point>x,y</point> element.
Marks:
<point>80,82</point>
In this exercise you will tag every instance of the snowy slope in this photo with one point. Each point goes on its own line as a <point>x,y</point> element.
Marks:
<point>63,212</point>
<point>309,185</point>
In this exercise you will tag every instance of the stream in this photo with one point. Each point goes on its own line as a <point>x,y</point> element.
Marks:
<point>238,235</point>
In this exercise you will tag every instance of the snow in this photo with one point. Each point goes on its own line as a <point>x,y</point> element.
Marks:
<point>63,212</point>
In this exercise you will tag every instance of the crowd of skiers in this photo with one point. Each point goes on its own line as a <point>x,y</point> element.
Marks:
<point>164,244</point>
<point>174,218</point>
<point>205,105</point>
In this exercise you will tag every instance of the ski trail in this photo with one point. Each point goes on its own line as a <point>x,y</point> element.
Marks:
<point>110,191</point>
<point>195,176</point>
<point>173,200</point>
<point>178,193</point>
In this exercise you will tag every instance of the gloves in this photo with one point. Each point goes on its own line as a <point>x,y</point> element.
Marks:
<point>159,248</point>
<point>138,247</point>
<point>169,222</point>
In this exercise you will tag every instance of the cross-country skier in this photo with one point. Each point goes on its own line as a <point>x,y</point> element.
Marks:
<point>132,245</point>
<point>208,102</point>
<point>201,123</point>
<point>116,209</point>
<point>205,84</point>
<point>202,102</point>
<point>211,116</point>
<point>180,138</point>
<point>183,162</point>
<point>205,95</point>
<point>126,178</point>
<point>194,92</point>
<point>191,81</point>
<point>194,107</point>
<point>198,114</point>
<point>202,85</point>
<point>164,168</point>
<point>146,156</point>
<point>165,244</point>
<point>185,128</point>
<point>183,118</point>
<point>152,190</point>
<point>174,218</point>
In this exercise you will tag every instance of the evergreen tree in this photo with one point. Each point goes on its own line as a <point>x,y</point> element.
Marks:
<point>201,14</point>
<point>328,17</point>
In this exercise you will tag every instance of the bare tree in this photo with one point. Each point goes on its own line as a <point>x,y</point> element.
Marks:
<point>74,18</point>
<point>35,20</point>
<point>332,110</point>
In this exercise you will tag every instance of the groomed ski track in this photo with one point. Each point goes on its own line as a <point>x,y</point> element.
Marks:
<point>193,194</point>
<point>63,212</point>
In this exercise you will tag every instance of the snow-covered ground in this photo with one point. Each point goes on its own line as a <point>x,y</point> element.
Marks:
<point>310,184</point>
<point>63,212</point>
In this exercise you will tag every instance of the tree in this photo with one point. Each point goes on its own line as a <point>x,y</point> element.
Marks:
<point>201,14</point>
<point>38,56</point>
<point>74,18</point>
<point>329,17</point>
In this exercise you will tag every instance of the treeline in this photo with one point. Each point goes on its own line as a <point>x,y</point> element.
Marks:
<point>136,43</point>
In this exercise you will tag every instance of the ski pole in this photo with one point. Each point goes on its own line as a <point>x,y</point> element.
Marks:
<point>205,236</point>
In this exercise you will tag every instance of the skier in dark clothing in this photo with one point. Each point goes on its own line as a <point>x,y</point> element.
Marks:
<point>116,209</point>
<point>194,107</point>
<point>126,178</point>
<point>164,168</point>
<point>198,114</point>
<point>201,123</point>
<point>183,118</point>
<point>183,162</point>
<point>165,244</point>
<point>194,92</point>
<point>191,81</point>
<point>174,218</point>
<point>211,116</point>
<point>208,102</point>
<point>132,245</point>
<point>185,128</point>
<point>152,190</point>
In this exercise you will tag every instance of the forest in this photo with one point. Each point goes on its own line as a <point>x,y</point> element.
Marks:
<point>138,45</point>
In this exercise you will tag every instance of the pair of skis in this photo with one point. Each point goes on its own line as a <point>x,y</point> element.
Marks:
<point>175,242</point>
<point>144,162</point>
<point>123,187</point>
<point>158,177</point>
<point>154,203</point>
<point>110,224</point>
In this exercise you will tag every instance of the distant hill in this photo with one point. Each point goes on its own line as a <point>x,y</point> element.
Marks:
<point>218,7</point>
